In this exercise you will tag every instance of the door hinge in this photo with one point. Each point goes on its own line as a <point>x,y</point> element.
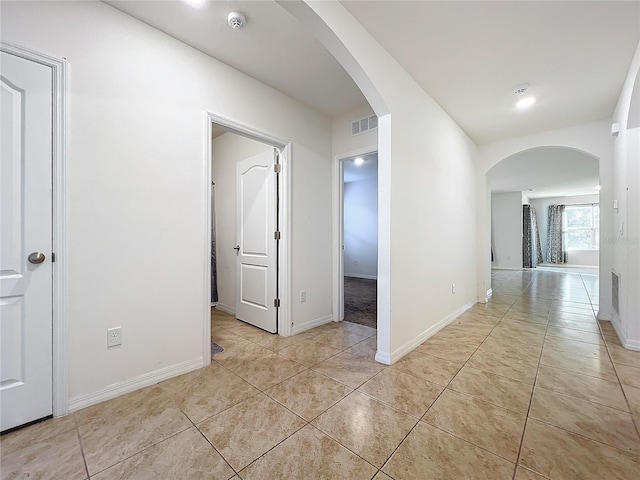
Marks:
<point>276,235</point>
<point>276,302</point>
<point>277,168</point>
<point>53,257</point>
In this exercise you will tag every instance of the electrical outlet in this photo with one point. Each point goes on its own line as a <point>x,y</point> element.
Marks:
<point>453,288</point>
<point>303,296</point>
<point>114,337</point>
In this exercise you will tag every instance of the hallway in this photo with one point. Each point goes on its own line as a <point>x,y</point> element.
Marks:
<point>529,386</point>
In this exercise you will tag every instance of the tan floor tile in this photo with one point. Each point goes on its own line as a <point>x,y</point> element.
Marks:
<point>309,454</point>
<point>365,349</point>
<point>363,330</point>
<point>521,317</point>
<point>402,391</point>
<point>116,429</point>
<point>454,352</point>
<point>248,430</point>
<point>501,391</point>
<point>428,449</point>
<point>505,366</point>
<point>461,337</point>
<point>575,325</point>
<point>184,456</point>
<point>525,474</point>
<point>308,393</point>
<point>493,309</point>
<point>243,351</point>
<point>575,347</point>
<point>225,338</point>
<point>588,388</point>
<point>340,338</point>
<point>476,327</point>
<point>366,426</point>
<point>471,317</point>
<point>57,457</point>
<point>592,366</point>
<point>526,353</point>
<point>37,432</point>
<point>633,397</point>
<point>207,391</point>
<point>267,371</point>
<point>248,332</point>
<point>506,334</point>
<point>348,369</point>
<point>558,454</point>
<point>597,422</point>
<point>482,424</point>
<point>612,340</point>
<point>607,327</point>
<point>308,352</point>
<point>428,367</point>
<point>528,327</point>
<point>572,334</point>
<point>382,476</point>
<point>629,375</point>
<point>623,356</point>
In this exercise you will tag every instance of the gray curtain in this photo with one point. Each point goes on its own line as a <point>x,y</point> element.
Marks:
<point>214,268</point>
<point>531,248</point>
<point>556,252</point>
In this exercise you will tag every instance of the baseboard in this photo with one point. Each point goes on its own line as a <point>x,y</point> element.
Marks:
<point>359,275</point>
<point>303,327</point>
<point>398,353</point>
<point>226,308</point>
<point>507,268</point>
<point>135,383</point>
<point>603,316</point>
<point>632,345</point>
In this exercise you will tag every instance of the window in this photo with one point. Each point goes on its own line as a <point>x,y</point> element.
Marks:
<point>581,227</point>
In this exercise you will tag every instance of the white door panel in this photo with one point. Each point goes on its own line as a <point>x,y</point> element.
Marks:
<point>26,226</point>
<point>255,224</point>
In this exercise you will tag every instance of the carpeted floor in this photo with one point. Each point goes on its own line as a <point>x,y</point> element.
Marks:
<point>360,296</point>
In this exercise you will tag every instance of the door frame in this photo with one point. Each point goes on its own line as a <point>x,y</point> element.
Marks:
<point>58,67</point>
<point>284,148</point>
<point>338,227</point>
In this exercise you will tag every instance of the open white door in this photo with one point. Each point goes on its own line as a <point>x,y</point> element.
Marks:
<point>256,264</point>
<point>26,293</point>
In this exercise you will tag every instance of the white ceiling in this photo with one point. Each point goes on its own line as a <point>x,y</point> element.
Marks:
<point>356,173</point>
<point>468,55</point>
<point>273,48</point>
<point>549,171</point>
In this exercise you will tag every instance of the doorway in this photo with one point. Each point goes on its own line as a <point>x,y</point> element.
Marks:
<point>359,233</point>
<point>249,224</point>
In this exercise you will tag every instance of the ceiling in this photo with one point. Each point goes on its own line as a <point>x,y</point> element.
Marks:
<point>468,55</point>
<point>548,171</point>
<point>365,171</point>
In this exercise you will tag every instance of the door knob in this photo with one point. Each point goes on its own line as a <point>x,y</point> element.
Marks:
<point>36,258</point>
<point>237,248</point>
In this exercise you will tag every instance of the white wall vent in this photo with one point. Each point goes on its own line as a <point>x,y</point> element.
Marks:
<point>615,291</point>
<point>364,125</point>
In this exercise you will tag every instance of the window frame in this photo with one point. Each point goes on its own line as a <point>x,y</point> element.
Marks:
<point>593,229</point>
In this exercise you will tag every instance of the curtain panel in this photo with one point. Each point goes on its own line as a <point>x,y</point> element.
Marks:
<point>531,248</point>
<point>556,251</point>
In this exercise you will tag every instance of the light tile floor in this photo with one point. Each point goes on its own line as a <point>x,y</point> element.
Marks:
<point>529,386</point>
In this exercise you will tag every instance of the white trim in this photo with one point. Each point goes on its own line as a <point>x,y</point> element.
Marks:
<point>284,214</point>
<point>510,269</point>
<point>58,66</point>
<point>359,275</point>
<point>226,308</point>
<point>338,228</point>
<point>624,341</point>
<point>603,316</point>
<point>632,345</point>
<point>400,352</point>
<point>151,378</point>
<point>303,327</point>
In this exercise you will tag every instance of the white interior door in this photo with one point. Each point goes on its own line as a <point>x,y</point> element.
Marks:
<point>256,263</point>
<point>26,293</point>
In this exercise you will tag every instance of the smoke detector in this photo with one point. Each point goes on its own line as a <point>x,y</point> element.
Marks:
<point>236,20</point>
<point>521,89</point>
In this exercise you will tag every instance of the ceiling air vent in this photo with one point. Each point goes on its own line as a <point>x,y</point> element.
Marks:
<point>364,125</point>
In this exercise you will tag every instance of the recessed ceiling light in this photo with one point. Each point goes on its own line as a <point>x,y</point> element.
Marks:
<point>598,187</point>
<point>195,3</point>
<point>359,161</point>
<point>525,102</point>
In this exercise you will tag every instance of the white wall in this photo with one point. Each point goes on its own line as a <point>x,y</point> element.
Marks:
<point>624,233</point>
<point>426,188</point>
<point>575,257</point>
<point>227,150</point>
<point>506,230</point>
<point>361,228</point>
<point>136,182</point>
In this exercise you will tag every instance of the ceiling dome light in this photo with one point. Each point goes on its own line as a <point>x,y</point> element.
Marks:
<point>598,187</point>
<point>236,20</point>
<point>525,102</point>
<point>359,161</point>
<point>195,3</point>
